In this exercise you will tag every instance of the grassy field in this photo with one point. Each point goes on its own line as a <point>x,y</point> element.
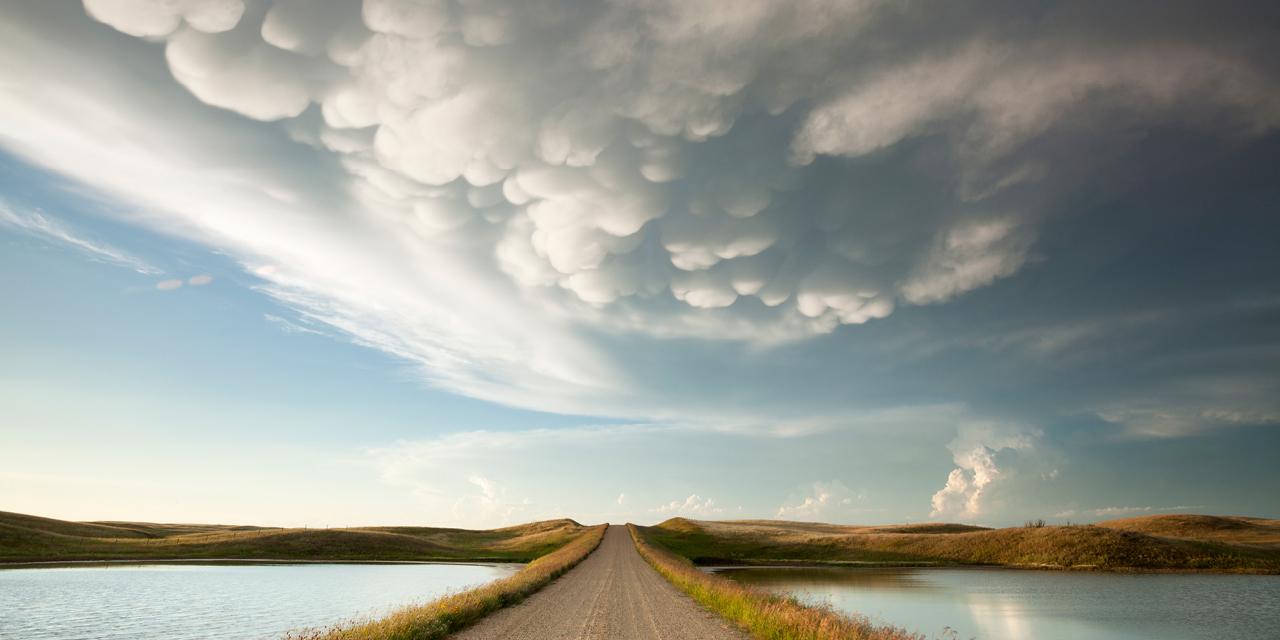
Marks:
<point>449,614</point>
<point>25,538</point>
<point>763,614</point>
<point>1155,543</point>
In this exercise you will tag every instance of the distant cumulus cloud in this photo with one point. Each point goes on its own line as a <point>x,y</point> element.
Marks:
<point>1116,512</point>
<point>981,453</point>
<point>826,501</point>
<point>693,505</point>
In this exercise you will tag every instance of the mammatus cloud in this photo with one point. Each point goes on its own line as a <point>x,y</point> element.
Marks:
<point>694,505</point>
<point>826,501</point>
<point>978,451</point>
<point>44,227</point>
<point>541,206</point>
<point>420,174</point>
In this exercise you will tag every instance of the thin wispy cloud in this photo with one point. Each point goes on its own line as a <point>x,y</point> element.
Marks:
<point>289,326</point>
<point>52,230</point>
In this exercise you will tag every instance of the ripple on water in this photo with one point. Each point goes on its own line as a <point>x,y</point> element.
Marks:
<point>215,602</point>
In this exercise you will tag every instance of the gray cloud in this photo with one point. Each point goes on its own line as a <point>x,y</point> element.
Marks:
<point>648,165</point>
<point>602,210</point>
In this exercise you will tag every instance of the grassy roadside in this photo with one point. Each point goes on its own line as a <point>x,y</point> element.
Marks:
<point>1202,543</point>
<point>451,613</point>
<point>763,614</point>
<point>26,538</point>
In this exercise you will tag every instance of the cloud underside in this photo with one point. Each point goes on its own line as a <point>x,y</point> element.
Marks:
<point>486,189</point>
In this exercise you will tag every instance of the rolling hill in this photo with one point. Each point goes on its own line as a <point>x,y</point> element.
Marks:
<point>26,538</point>
<point>1154,543</point>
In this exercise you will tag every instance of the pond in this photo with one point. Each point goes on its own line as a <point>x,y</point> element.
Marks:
<point>1010,604</point>
<point>178,602</point>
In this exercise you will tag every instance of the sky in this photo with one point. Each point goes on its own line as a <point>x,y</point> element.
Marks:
<point>475,263</point>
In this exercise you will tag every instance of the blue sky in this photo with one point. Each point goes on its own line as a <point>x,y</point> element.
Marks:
<point>290,263</point>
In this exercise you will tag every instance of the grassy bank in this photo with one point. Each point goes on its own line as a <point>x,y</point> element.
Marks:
<point>451,613</point>
<point>25,538</point>
<point>763,614</point>
<point>1214,544</point>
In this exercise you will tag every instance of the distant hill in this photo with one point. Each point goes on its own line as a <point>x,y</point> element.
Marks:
<point>1156,543</point>
<point>27,538</point>
<point>1259,532</point>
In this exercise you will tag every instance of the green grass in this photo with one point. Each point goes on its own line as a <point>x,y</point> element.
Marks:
<point>1125,547</point>
<point>763,614</point>
<point>446,615</point>
<point>25,538</point>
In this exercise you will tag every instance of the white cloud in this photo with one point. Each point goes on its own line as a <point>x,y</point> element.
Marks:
<point>499,192</point>
<point>823,501</point>
<point>288,326</point>
<point>1115,512</point>
<point>200,280</point>
<point>168,285</point>
<point>1170,420</point>
<point>42,226</point>
<point>1013,93</point>
<point>694,505</point>
<point>966,258</point>
<point>493,471</point>
<point>977,451</point>
<point>153,18</point>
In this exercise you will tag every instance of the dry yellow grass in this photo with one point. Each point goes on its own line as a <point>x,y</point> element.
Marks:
<point>1258,532</point>
<point>763,614</point>
<point>25,538</point>
<point>1106,546</point>
<point>451,613</point>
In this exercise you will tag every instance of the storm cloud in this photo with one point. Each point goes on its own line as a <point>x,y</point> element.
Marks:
<point>757,216</point>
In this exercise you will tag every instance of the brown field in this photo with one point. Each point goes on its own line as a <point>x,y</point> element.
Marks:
<point>1168,543</point>
<point>1259,532</point>
<point>25,538</point>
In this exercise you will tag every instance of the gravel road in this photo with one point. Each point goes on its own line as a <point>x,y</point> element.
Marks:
<point>614,593</point>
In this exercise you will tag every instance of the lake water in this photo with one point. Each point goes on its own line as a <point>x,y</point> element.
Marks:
<point>1009,604</point>
<point>215,601</point>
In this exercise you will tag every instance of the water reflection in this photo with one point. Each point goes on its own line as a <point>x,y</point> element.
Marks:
<point>1001,604</point>
<point>178,602</point>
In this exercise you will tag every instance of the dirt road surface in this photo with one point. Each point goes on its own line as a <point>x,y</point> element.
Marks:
<point>612,594</point>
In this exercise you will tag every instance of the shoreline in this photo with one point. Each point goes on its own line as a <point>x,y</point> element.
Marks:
<point>873,564</point>
<point>54,564</point>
